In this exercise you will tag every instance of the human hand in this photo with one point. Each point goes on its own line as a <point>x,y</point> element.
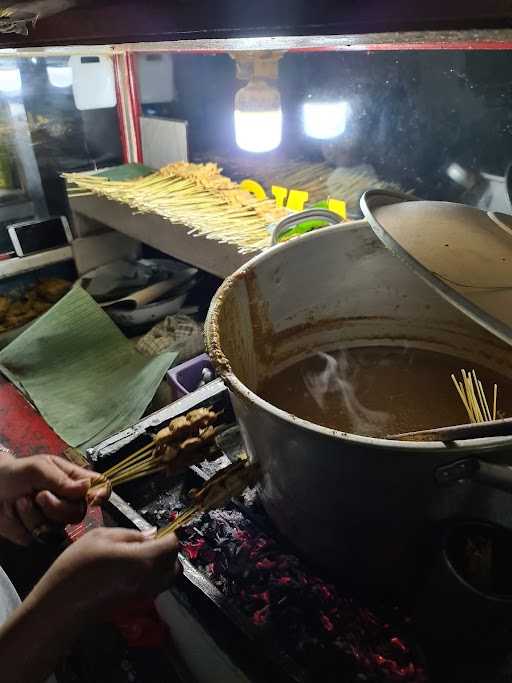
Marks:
<point>38,490</point>
<point>107,567</point>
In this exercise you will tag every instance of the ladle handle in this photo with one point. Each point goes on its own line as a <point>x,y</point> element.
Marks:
<point>473,469</point>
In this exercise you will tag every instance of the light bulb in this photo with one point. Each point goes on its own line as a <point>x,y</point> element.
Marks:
<point>10,81</point>
<point>258,117</point>
<point>60,76</point>
<point>324,120</point>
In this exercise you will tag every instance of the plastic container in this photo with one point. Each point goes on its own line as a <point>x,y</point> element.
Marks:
<point>186,377</point>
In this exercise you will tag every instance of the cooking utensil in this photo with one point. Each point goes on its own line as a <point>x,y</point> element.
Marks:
<point>133,311</point>
<point>151,313</point>
<point>356,505</point>
<point>458,432</point>
<point>123,278</point>
<point>152,293</point>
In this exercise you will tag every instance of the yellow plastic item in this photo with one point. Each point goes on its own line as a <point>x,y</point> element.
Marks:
<point>338,206</point>
<point>254,188</point>
<point>297,200</point>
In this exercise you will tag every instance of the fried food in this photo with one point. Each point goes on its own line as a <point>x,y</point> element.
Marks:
<point>13,321</point>
<point>36,300</point>
<point>52,289</point>
<point>41,307</point>
<point>4,306</point>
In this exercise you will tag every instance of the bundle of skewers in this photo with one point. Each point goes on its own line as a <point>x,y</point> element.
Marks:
<point>484,417</point>
<point>196,195</point>
<point>228,483</point>
<point>186,440</point>
<point>473,397</point>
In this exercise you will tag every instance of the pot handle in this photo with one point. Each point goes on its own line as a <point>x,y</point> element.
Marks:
<point>472,469</point>
<point>309,215</point>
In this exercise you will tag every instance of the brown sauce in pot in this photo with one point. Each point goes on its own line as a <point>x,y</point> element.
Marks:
<point>377,391</point>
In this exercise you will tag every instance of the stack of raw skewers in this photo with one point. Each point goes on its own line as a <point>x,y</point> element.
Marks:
<point>195,195</point>
<point>321,180</point>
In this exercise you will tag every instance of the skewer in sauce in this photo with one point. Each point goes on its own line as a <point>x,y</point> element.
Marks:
<point>376,391</point>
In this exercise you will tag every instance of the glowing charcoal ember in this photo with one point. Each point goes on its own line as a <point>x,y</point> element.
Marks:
<point>308,618</point>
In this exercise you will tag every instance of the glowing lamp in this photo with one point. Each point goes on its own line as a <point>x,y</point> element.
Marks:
<point>324,120</point>
<point>258,117</point>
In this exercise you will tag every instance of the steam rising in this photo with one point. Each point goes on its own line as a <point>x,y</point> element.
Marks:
<point>333,379</point>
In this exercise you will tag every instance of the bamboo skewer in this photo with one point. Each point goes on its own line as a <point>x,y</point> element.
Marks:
<point>485,405</point>
<point>482,422</point>
<point>472,395</point>
<point>474,430</point>
<point>474,400</point>
<point>138,475</point>
<point>142,452</point>
<point>180,520</point>
<point>462,395</point>
<point>226,484</point>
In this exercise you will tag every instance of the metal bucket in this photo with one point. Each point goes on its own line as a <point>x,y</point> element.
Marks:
<point>359,506</point>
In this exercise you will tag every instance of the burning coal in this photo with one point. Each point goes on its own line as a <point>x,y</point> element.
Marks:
<point>334,380</point>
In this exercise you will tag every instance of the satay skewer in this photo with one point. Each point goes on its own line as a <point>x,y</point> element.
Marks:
<point>184,435</point>
<point>226,484</point>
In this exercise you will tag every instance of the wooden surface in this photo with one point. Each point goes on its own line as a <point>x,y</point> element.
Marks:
<point>172,239</point>
<point>117,22</point>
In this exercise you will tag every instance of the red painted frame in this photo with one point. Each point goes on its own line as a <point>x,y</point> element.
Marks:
<point>135,103</point>
<point>119,108</point>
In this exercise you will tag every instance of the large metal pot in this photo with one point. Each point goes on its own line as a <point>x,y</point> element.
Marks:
<point>358,506</point>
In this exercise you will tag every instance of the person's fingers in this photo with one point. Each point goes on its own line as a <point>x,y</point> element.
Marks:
<point>99,494</point>
<point>11,527</point>
<point>74,471</point>
<point>149,534</point>
<point>41,473</point>
<point>29,514</point>
<point>60,511</point>
<point>121,536</point>
<point>94,499</point>
<point>163,551</point>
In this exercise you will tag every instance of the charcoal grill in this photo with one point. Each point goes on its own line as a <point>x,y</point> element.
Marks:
<point>151,501</point>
